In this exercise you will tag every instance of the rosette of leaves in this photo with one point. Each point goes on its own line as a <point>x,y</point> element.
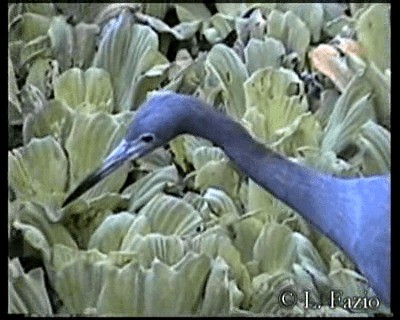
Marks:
<point>300,268</point>
<point>45,170</point>
<point>224,65</point>
<point>62,146</point>
<point>59,174</point>
<point>44,34</point>
<point>87,91</point>
<point>162,214</point>
<point>116,284</point>
<point>364,101</point>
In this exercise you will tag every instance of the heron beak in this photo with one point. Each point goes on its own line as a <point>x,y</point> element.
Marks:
<point>123,152</point>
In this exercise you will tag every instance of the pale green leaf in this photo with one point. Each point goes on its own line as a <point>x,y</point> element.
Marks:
<point>373,33</point>
<point>111,232</point>
<point>374,142</point>
<point>188,12</point>
<point>218,174</point>
<point>276,95</point>
<point>14,107</point>
<point>91,139</point>
<point>143,285</point>
<point>167,248</point>
<point>87,91</point>
<point>151,184</point>
<point>216,295</point>
<point>38,171</point>
<point>224,63</point>
<point>53,119</point>
<point>289,28</point>
<point>202,155</point>
<point>85,36</point>
<point>38,226</point>
<point>312,14</point>
<point>128,51</point>
<point>170,215</point>
<point>220,203</point>
<point>260,54</point>
<point>275,248</point>
<point>352,110</point>
<point>27,291</point>
<point>62,41</point>
<point>29,26</point>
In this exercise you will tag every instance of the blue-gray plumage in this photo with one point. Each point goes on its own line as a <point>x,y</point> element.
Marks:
<point>353,212</point>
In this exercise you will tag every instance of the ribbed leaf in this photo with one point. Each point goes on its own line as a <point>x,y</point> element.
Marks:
<point>61,36</point>
<point>220,26</point>
<point>29,26</point>
<point>27,292</point>
<point>85,44</point>
<point>217,245</point>
<point>90,140</point>
<point>143,190</point>
<point>169,249</point>
<point>217,295</point>
<point>246,232</point>
<point>88,91</point>
<point>39,229</point>
<point>374,142</point>
<point>220,203</point>
<point>275,249</point>
<point>111,232</point>
<point>218,174</point>
<point>128,51</point>
<point>38,171</point>
<point>351,111</point>
<point>94,281</point>
<point>276,110</point>
<point>170,215</point>
<point>373,32</point>
<point>289,28</point>
<point>53,119</point>
<point>14,106</point>
<point>203,155</point>
<point>260,54</point>
<point>79,282</point>
<point>312,14</point>
<point>224,63</point>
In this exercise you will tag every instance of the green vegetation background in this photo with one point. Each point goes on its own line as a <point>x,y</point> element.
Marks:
<point>181,231</point>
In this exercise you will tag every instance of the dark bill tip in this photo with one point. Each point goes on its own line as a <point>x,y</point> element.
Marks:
<point>91,180</point>
<point>123,152</point>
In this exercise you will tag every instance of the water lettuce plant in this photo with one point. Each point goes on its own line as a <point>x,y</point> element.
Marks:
<point>181,231</point>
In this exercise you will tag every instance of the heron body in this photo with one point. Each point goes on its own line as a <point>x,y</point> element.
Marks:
<point>353,212</point>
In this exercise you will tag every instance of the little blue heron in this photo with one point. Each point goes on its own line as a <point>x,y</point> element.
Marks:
<point>353,212</point>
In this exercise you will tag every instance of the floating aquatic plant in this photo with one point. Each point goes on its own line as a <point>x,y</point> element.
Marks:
<point>181,232</point>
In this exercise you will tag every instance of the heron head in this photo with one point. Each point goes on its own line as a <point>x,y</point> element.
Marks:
<point>157,121</point>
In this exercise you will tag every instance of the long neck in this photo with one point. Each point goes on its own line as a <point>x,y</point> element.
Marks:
<point>354,213</point>
<point>301,188</point>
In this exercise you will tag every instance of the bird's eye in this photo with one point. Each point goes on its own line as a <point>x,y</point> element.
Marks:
<point>147,138</point>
